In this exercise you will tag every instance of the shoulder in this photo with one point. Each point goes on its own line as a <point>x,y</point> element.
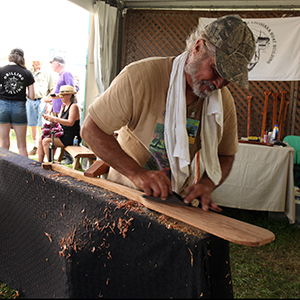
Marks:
<point>151,63</point>
<point>147,70</point>
<point>67,74</point>
<point>74,106</point>
<point>227,98</point>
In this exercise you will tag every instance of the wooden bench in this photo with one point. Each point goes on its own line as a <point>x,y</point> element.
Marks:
<point>78,152</point>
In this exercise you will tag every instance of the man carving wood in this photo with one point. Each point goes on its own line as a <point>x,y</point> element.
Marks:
<point>167,108</point>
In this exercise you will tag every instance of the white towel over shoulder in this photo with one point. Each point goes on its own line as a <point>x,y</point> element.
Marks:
<point>176,136</point>
<point>211,134</point>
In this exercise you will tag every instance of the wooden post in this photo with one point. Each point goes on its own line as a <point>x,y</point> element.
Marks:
<point>275,96</point>
<point>265,112</point>
<point>249,115</point>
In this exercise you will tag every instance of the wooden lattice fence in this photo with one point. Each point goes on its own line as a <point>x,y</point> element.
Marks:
<point>163,33</point>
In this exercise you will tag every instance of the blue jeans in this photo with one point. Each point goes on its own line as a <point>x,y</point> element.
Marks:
<point>13,112</point>
<point>34,110</point>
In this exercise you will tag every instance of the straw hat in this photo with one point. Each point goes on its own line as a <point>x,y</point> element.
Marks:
<point>67,89</point>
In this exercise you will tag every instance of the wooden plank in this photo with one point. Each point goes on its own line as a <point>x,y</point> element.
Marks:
<point>80,151</point>
<point>99,167</point>
<point>219,225</point>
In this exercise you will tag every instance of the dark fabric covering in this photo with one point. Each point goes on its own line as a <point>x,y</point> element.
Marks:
<point>63,238</point>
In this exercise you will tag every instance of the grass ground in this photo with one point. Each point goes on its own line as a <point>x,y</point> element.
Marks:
<point>271,271</point>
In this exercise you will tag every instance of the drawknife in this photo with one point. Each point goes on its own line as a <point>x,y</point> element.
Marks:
<point>172,199</point>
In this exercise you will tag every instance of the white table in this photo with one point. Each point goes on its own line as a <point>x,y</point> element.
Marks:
<point>261,179</point>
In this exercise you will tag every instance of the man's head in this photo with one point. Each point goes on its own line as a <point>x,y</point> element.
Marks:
<point>37,64</point>
<point>232,45</point>
<point>57,64</point>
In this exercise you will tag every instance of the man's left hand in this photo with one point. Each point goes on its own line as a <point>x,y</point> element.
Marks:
<point>202,193</point>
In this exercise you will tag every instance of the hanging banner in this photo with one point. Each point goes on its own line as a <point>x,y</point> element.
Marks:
<point>277,54</point>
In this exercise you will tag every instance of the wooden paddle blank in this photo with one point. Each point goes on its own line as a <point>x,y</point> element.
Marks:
<point>219,225</point>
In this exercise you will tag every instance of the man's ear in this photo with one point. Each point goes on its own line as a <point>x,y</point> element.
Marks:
<point>198,46</point>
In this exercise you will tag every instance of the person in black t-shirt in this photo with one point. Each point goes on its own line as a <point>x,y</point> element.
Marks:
<point>16,85</point>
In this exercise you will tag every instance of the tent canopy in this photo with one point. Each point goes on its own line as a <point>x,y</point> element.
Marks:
<point>196,4</point>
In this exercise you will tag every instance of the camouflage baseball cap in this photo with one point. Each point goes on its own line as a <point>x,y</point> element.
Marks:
<point>235,47</point>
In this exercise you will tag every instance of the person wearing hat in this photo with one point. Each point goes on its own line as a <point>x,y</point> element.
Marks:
<point>43,85</point>
<point>65,78</point>
<point>168,108</point>
<point>68,118</point>
<point>16,85</point>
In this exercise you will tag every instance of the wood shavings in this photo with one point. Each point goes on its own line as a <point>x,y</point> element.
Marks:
<point>130,205</point>
<point>69,242</point>
<point>62,252</point>
<point>17,294</point>
<point>123,226</point>
<point>192,257</point>
<point>56,175</point>
<point>49,236</point>
<point>172,223</point>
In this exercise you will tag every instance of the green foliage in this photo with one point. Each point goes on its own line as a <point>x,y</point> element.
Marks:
<point>269,271</point>
<point>8,293</point>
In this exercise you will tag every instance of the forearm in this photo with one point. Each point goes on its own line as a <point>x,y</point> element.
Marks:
<point>226,163</point>
<point>30,92</point>
<point>108,149</point>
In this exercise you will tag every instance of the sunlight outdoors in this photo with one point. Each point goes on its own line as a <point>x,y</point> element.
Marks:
<point>46,28</point>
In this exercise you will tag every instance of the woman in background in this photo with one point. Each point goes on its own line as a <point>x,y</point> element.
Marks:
<point>16,85</point>
<point>68,118</point>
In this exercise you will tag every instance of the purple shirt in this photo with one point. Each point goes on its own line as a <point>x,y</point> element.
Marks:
<point>65,78</point>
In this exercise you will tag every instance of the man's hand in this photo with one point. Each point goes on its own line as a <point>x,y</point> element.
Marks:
<point>154,183</point>
<point>201,192</point>
<point>203,189</point>
<point>106,147</point>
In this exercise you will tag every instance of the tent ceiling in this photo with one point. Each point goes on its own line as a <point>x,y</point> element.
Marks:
<point>197,5</point>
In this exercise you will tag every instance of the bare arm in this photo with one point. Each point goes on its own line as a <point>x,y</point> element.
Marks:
<point>31,93</point>
<point>203,189</point>
<point>107,148</point>
<point>73,116</point>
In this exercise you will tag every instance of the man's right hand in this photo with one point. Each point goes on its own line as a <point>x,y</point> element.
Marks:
<point>107,148</point>
<point>154,183</point>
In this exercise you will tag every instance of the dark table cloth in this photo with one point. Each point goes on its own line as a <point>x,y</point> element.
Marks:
<point>63,238</point>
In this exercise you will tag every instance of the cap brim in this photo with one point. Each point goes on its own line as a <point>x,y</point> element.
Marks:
<point>67,94</point>
<point>229,67</point>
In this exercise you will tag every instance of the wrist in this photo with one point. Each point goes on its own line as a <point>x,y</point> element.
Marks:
<point>208,184</point>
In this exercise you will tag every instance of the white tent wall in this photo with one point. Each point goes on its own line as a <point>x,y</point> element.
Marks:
<point>105,44</point>
<point>102,49</point>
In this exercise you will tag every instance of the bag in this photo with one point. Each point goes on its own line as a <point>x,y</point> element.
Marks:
<point>48,128</point>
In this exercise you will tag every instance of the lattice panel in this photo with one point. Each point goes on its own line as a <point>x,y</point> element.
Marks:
<point>163,33</point>
<point>295,115</point>
<point>257,89</point>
